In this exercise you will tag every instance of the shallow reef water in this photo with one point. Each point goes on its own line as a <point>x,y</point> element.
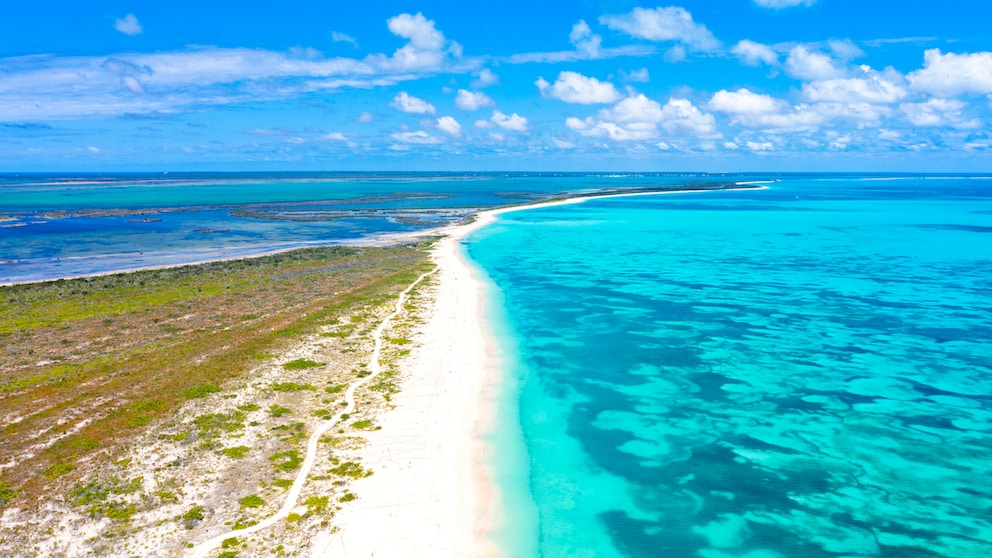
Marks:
<point>801,371</point>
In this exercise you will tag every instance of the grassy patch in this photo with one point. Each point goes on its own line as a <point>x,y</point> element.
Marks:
<point>279,410</point>
<point>248,407</point>
<point>362,424</point>
<point>348,497</point>
<point>57,470</point>
<point>236,452</point>
<point>336,389</point>
<point>351,469</point>
<point>316,504</point>
<point>251,501</point>
<point>302,364</point>
<point>286,460</point>
<point>230,543</point>
<point>6,493</point>
<point>213,425</point>
<point>243,522</point>
<point>282,483</point>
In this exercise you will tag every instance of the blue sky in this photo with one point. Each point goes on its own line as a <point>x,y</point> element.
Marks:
<point>733,85</point>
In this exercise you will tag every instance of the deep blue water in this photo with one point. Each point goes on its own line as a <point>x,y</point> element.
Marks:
<point>803,371</point>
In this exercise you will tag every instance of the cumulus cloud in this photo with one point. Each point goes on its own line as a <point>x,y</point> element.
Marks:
<point>426,47</point>
<point>779,4</point>
<point>939,112</point>
<point>743,101</point>
<point>573,87</point>
<point>872,88</point>
<point>663,24</point>
<point>412,105</point>
<point>584,40</point>
<point>755,54</point>
<point>760,146</point>
<point>807,64</point>
<point>449,125</point>
<point>513,122</point>
<point>472,100</point>
<point>365,117</point>
<point>953,74</point>
<point>639,118</point>
<point>129,25</point>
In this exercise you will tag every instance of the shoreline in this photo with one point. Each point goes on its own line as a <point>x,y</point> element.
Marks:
<point>383,239</point>
<point>433,490</point>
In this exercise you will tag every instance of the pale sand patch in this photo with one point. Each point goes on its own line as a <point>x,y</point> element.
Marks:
<point>430,495</point>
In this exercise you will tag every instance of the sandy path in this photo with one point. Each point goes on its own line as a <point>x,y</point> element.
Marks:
<point>204,548</point>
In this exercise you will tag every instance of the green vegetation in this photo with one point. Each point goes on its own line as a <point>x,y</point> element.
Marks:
<point>163,337</point>
<point>248,407</point>
<point>286,460</point>
<point>316,504</point>
<point>193,515</point>
<point>6,493</point>
<point>282,483</point>
<point>228,553</point>
<point>293,517</point>
<point>362,424</point>
<point>243,522</point>
<point>398,340</point>
<point>251,501</point>
<point>279,410</point>
<point>292,386</point>
<point>213,425</point>
<point>336,388</point>
<point>348,497</point>
<point>351,469</point>
<point>236,452</point>
<point>57,470</point>
<point>302,364</point>
<point>230,542</point>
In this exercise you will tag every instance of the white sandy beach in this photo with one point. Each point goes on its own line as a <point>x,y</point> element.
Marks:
<point>430,495</point>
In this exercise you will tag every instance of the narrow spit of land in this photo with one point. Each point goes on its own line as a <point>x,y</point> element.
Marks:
<point>142,411</point>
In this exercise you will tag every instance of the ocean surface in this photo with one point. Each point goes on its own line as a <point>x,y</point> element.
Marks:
<point>804,371</point>
<point>54,226</point>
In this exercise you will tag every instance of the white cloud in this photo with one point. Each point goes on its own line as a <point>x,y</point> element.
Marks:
<point>760,147</point>
<point>485,78</point>
<point>573,87</point>
<point>420,137</point>
<point>743,101</point>
<point>334,136</point>
<point>638,118</point>
<point>636,76</point>
<point>472,100</point>
<point>939,112</point>
<point>873,88</point>
<point>805,64</point>
<point>410,104</point>
<point>93,149</point>
<point>584,39</point>
<point>663,24</point>
<point>779,4</point>
<point>365,117</point>
<point>418,29</point>
<point>730,145</point>
<point>343,38</point>
<point>840,142</point>
<point>513,122</point>
<point>953,74</point>
<point>427,47</point>
<point>449,125</point>
<point>755,54</point>
<point>129,25</point>
<point>484,124</point>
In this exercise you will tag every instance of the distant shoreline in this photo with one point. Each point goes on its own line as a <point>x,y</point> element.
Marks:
<point>384,239</point>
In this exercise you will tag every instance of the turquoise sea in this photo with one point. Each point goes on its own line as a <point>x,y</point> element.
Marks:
<point>55,226</point>
<point>804,371</point>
